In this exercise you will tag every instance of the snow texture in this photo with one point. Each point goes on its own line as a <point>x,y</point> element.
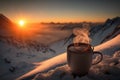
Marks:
<point>108,69</point>
<point>62,59</point>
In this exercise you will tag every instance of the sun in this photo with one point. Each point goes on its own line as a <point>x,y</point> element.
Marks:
<point>21,23</point>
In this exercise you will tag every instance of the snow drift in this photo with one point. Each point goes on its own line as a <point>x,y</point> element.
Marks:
<point>108,69</point>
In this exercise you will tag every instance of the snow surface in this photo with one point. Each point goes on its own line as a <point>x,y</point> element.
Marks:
<point>110,27</point>
<point>24,59</point>
<point>110,46</point>
<point>108,69</point>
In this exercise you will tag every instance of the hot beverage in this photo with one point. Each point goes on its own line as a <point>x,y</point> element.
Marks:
<point>79,57</point>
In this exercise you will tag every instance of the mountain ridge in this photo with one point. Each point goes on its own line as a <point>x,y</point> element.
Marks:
<point>5,21</point>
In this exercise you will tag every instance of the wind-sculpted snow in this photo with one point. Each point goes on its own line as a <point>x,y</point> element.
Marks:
<point>108,69</point>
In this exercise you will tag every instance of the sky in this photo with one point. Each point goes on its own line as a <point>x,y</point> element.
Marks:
<point>60,10</point>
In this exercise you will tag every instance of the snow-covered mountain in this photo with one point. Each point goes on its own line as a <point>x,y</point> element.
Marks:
<point>5,22</point>
<point>17,57</point>
<point>105,32</point>
<point>6,26</point>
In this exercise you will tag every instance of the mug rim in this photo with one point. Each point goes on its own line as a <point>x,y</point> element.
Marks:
<point>72,44</point>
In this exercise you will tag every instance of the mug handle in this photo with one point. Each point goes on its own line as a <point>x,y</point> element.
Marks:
<point>96,52</point>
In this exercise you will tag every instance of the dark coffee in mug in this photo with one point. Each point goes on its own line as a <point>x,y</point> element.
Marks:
<point>79,57</point>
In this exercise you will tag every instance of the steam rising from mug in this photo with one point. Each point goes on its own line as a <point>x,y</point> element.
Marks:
<point>82,34</point>
<point>80,52</point>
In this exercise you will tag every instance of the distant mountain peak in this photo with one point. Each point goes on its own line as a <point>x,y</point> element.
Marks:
<point>3,18</point>
<point>116,18</point>
<point>5,22</point>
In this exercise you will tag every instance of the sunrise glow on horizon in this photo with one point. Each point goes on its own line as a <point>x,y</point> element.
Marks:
<point>61,10</point>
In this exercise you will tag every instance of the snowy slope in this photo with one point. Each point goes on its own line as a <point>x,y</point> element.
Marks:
<point>108,69</point>
<point>107,31</point>
<point>22,59</point>
<point>108,48</point>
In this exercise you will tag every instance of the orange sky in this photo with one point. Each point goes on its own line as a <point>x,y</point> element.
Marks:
<point>60,10</point>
